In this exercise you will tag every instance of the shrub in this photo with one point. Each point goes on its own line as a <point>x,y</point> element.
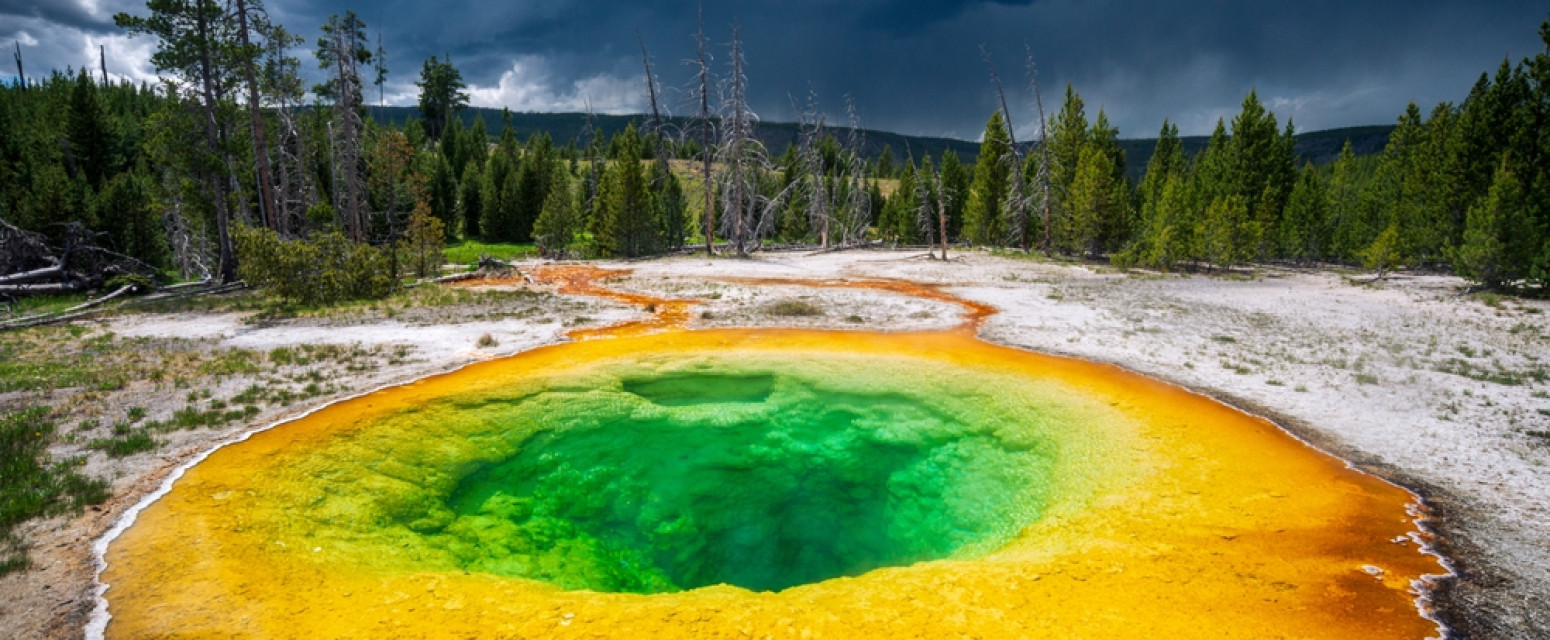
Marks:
<point>31,485</point>
<point>793,308</point>
<point>325,269</point>
<point>423,247</point>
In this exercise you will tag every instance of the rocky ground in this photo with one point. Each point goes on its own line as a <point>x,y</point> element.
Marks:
<point>1409,378</point>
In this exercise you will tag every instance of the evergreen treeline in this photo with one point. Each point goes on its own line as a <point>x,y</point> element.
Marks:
<point>228,157</point>
<point>1464,186</point>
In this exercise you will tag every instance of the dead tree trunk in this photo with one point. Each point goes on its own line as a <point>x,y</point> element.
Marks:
<point>347,147</point>
<point>859,202</point>
<point>228,258</point>
<point>1044,200</point>
<point>707,148</point>
<point>266,199</point>
<point>21,76</point>
<point>818,210</point>
<point>735,143</point>
<point>1015,202</point>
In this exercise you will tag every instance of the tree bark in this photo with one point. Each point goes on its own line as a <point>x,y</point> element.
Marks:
<point>266,199</point>
<point>21,76</point>
<point>36,274</point>
<point>228,259</point>
<point>705,146</point>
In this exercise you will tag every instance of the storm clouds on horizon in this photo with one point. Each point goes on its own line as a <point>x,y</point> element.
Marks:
<point>911,66</point>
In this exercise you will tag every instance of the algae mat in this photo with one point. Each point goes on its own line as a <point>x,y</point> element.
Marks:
<point>773,483</point>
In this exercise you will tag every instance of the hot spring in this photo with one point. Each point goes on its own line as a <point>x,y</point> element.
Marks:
<point>771,482</point>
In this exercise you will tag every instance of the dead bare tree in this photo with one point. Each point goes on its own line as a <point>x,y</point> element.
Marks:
<point>591,146</point>
<point>282,86</point>
<point>927,214</point>
<point>189,246</point>
<point>655,125</point>
<point>858,202</point>
<point>228,258</point>
<point>737,153</point>
<point>1044,187</point>
<point>820,214</point>
<point>31,266</point>
<point>707,133</point>
<point>21,76</point>
<point>346,137</point>
<point>266,197</point>
<point>1016,204</point>
<point>748,213</point>
<point>102,59</point>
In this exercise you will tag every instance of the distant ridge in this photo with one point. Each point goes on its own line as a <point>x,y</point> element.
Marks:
<point>1318,147</point>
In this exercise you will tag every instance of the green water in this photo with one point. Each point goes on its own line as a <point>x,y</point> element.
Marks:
<point>664,473</point>
<point>721,485</point>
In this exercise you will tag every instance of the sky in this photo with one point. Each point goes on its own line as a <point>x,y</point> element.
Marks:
<point>911,66</point>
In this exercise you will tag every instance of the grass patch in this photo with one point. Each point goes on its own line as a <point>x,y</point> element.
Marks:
<point>1224,339</point>
<point>793,309</point>
<point>127,444</point>
<point>1366,378</point>
<point>486,341</point>
<point>32,485</point>
<point>29,305</point>
<point>1501,376</point>
<point>468,251</point>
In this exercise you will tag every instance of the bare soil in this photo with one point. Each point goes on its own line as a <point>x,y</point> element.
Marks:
<point>1408,378</point>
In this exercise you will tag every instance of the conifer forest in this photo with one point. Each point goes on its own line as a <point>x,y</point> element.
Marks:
<point>233,168</point>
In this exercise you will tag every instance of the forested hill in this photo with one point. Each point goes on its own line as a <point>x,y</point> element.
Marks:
<point>564,127</point>
<point>1318,147</point>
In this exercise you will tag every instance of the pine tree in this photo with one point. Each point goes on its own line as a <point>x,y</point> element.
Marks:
<point>92,139</point>
<point>1305,232</point>
<point>558,224</point>
<point>441,190</point>
<point>1067,137</point>
<point>897,224</point>
<point>1167,160</point>
<point>670,206</point>
<point>133,228</point>
<point>1498,238</point>
<point>955,191</point>
<point>423,245</point>
<point>497,215</point>
<point>1088,202</point>
<point>535,173</point>
<point>452,148</point>
<point>1153,225</point>
<point>1226,234</point>
<point>1115,221</point>
<point>441,95</point>
<point>984,221</point>
<point>886,165</point>
<point>1170,231</point>
<point>470,199</point>
<point>625,225</point>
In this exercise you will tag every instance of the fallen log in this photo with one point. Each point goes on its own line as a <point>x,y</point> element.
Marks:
<point>50,287</point>
<point>36,274</point>
<point>459,277</point>
<point>72,312</point>
<point>487,263</point>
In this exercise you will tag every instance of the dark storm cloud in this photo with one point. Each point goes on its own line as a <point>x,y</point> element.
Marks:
<point>67,13</point>
<point>914,65</point>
